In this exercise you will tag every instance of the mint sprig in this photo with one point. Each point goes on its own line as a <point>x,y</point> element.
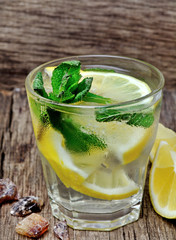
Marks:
<point>99,70</point>
<point>65,80</point>
<point>38,85</point>
<point>67,88</point>
<point>91,97</point>
<point>66,85</point>
<point>76,138</point>
<point>139,119</point>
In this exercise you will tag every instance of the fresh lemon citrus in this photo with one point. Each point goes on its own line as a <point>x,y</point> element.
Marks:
<point>107,83</point>
<point>162,182</point>
<point>86,173</point>
<point>109,183</point>
<point>70,168</point>
<point>92,174</point>
<point>163,134</point>
<point>126,142</point>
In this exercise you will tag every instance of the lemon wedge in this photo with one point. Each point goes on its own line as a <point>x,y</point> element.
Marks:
<point>162,181</point>
<point>163,134</point>
<point>109,184</point>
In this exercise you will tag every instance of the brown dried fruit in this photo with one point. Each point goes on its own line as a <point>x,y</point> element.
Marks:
<point>26,206</point>
<point>32,226</point>
<point>8,191</point>
<point>61,230</point>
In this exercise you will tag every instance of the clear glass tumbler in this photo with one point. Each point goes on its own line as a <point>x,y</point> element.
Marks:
<point>94,169</point>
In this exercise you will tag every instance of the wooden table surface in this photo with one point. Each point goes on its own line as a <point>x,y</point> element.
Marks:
<point>33,32</point>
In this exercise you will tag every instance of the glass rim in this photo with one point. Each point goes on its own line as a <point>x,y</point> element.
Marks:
<point>122,104</point>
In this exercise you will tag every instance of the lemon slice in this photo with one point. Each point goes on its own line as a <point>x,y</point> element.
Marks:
<point>163,134</point>
<point>71,169</point>
<point>85,173</point>
<point>109,183</point>
<point>117,86</point>
<point>162,183</point>
<point>127,142</point>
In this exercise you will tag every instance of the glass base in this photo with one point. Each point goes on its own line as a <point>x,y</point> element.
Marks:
<point>94,221</point>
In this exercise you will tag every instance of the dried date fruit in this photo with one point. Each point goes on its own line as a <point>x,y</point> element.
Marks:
<point>32,226</point>
<point>61,230</point>
<point>8,191</point>
<point>26,205</point>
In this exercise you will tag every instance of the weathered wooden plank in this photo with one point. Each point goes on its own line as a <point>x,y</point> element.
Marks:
<point>5,122</point>
<point>33,32</point>
<point>22,165</point>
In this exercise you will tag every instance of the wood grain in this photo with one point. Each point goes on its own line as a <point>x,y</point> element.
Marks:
<point>20,162</point>
<point>36,31</point>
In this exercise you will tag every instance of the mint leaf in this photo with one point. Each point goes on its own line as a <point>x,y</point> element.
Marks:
<point>64,76</point>
<point>66,98</point>
<point>91,97</point>
<point>99,70</point>
<point>38,85</point>
<point>76,138</point>
<point>141,119</point>
<point>61,89</point>
<point>83,88</point>
<point>133,119</point>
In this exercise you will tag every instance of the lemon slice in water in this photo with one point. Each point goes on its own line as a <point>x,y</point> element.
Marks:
<point>85,173</point>
<point>116,86</point>
<point>109,183</point>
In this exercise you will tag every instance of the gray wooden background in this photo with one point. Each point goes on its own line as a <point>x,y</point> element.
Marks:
<point>36,31</point>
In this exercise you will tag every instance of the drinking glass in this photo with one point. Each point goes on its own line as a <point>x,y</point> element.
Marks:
<point>95,170</point>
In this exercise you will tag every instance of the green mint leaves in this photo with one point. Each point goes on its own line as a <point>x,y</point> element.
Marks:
<point>99,70</point>
<point>133,119</point>
<point>67,88</point>
<point>91,97</point>
<point>76,138</point>
<point>64,81</point>
<point>66,85</point>
<point>82,89</point>
<point>38,85</point>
